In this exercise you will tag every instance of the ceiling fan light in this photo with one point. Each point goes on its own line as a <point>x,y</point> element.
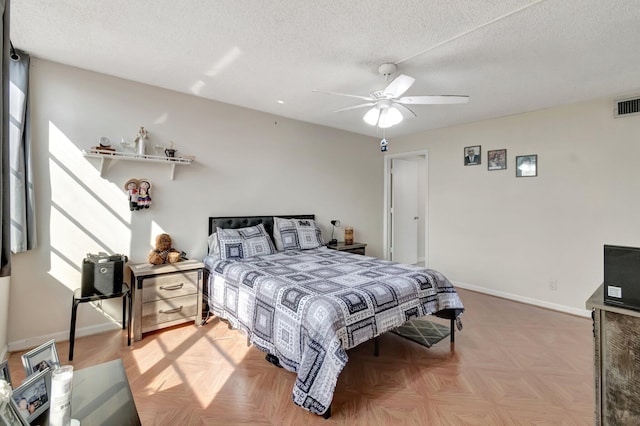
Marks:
<point>389,117</point>
<point>394,116</point>
<point>371,117</point>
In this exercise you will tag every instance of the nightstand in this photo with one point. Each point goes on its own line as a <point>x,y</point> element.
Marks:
<point>357,248</point>
<point>165,295</point>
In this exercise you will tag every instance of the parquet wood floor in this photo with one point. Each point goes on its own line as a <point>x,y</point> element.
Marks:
<point>512,364</point>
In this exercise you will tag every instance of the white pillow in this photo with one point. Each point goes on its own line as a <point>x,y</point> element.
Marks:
<point>296,234</point>
<point>243,243</point>
<point>214,247</point>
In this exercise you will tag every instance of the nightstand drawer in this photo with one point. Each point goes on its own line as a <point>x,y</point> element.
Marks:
<point>170,285</point>
<point>174,309</point>
<point>359,250</point>
<point>355,248</point>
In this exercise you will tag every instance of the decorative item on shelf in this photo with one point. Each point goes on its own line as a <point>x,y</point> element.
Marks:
<point>104,146</point>
<point>126,146</point>
<point>141,141</point>
<point>348,235</point>
<point>171,151</point>
<point>164,251</point>
<point>334,223</point>
<point>159,149</point>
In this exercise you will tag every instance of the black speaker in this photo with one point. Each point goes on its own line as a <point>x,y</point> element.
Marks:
<point>622,276</point>
<point>102,274</point>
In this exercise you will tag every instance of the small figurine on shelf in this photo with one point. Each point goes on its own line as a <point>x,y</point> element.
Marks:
<point>131,186</point>
<point>141,141</point>
<point>144,197</point>
<point>171,151</point>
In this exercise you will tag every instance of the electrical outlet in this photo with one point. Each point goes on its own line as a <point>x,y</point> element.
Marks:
<point>553,285</point>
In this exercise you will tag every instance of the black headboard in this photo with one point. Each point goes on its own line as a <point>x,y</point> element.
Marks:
<point>232,222</point>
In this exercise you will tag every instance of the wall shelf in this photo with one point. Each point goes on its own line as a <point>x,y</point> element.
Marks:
<point>129,156</point>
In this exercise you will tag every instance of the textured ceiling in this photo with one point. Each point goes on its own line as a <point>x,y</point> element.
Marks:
<point>509,56</point>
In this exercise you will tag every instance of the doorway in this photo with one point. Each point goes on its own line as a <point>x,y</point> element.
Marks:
<point>406,207</point>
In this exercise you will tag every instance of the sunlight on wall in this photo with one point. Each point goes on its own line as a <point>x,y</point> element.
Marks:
<point>88,213</point>
<point>162,119</point>
<point>155,230</point>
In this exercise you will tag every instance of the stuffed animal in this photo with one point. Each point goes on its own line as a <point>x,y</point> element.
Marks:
<point>164,252</point>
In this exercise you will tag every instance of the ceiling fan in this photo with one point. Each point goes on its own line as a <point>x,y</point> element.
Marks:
<point>388,104</point>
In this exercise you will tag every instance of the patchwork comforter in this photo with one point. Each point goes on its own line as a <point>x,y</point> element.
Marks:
<point>308,307</point>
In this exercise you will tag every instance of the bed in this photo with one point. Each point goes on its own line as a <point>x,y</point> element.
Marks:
<point>306,305</point>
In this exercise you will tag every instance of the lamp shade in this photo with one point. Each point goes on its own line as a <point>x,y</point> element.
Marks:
<point>371,117</point>
<point>383,116</point>
<point>389,117</point>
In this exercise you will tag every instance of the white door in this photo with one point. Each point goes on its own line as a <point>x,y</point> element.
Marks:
<point>404,211</point>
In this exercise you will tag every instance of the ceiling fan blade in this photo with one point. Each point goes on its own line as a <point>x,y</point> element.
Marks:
<point>364,98</point>
<point>399,85</point>
<point>355,107</point>
<point>403,109</point>
<point>434,99</point>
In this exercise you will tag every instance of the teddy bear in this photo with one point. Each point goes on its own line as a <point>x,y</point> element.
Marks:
<point>164,252</point>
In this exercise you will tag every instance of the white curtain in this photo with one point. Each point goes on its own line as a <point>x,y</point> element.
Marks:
<point>23,229</point>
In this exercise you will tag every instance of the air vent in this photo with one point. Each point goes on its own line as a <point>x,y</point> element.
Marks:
<point>626,107</point>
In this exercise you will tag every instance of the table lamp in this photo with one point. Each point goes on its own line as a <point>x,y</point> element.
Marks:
<point>334,223</point>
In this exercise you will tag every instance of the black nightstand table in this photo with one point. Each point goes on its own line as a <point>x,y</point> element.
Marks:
<point>78,298</point>
<point>357,248</point>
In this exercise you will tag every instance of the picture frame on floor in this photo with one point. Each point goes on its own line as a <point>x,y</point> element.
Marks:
<point>43,357</point>
<point>33,396</point>
<point>527,165</point>
<point>4,372</point>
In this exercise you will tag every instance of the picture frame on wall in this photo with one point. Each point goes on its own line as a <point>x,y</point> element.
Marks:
<point>526,165</point>
<point>497,159</point>
<point>472,155</point>
<point>33,396</point>
<point>43,357</point>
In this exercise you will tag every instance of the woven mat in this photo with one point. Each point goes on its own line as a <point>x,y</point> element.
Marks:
<point>422,331</point>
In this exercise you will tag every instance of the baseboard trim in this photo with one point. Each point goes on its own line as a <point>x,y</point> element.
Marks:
<point>528,300</point>
<point>32,342</point>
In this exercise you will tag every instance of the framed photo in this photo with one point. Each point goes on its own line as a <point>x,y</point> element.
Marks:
<point>31,398</point>
<point>10,417</point>
<point>4,372</point>
<point>497,159</point>
<point>526,165</point>
<point>39,359</point>
<point>472,155</point>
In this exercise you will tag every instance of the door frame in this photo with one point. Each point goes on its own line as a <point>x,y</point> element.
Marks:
<point>386,208</point>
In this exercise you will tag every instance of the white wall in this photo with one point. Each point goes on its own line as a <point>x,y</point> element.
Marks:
<point>511,236</point>
<point>248,163</point>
